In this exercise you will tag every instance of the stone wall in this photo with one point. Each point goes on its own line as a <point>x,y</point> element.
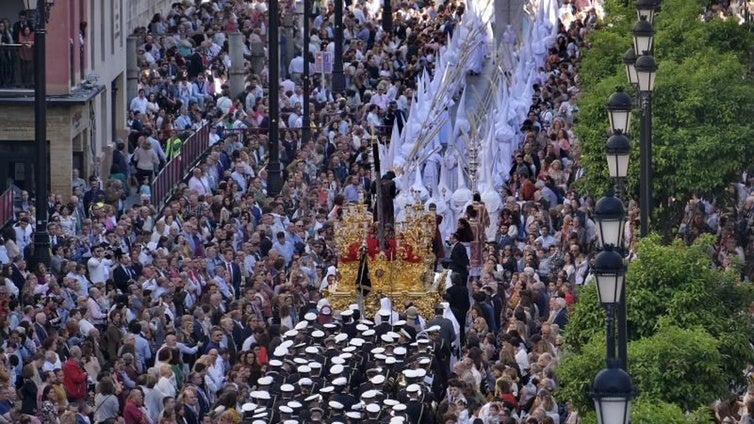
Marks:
<point>63,125</point>
<point>139,12</point>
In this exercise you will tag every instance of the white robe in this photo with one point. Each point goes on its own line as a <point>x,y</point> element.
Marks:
<point>386,305</point>
<point>330,271</point>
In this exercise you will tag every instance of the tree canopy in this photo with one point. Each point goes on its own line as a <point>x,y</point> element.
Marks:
<point>688,329</point>
<point>701,108</point>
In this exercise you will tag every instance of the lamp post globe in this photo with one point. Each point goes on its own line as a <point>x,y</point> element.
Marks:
<point>610,272</point>
<point>619,110</point>
<point>612,392</point>
<point>610,214</point>
<point>643,33</point>
<point>618,151</point>
<point>629,60</point>
<point>646,9</point>
<point>646,68</point>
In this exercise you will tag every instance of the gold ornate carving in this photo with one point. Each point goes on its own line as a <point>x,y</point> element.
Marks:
<point>405,273</point>
<point>353,228</point>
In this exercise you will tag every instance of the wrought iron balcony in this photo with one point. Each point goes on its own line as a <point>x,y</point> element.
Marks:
<point>16,67</point>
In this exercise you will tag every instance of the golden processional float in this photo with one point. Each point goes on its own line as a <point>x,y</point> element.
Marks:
<point>376,262</point>
<point>403,271</point>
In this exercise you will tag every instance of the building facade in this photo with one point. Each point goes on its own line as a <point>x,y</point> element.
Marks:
<point>86,88</point>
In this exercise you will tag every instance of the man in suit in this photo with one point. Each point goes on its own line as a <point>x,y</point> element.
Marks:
<point>191,405</point>
<point>558,312</point>
<point>24,232</point>
<point>18,273</point>
<point>457,296</point>
<point>459,258</point>
<point>234,271</point>
<point>240,331</point>
<point>40,326</point>
<point>123,273</point>
<point>136,266</point>
<point>229,341</point>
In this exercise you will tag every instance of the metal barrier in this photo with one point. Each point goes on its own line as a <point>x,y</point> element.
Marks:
<point>192,149</point>
<point>6,208</point>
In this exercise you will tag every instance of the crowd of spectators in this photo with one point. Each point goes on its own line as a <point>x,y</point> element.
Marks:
<point>740,10</point>
<point>212,310</point>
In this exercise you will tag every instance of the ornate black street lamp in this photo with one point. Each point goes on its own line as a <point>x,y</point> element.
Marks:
<point>619,107</point>
<point>41,169</point>
<point>618,153</point>
<point>612,392</point>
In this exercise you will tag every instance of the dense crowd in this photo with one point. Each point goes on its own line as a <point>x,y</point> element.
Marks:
<point>212,310</point>
<point>740,10</point>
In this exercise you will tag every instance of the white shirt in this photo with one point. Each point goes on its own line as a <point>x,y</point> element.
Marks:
<point>224,104</point>
<point>165,387</point>
<point>546,240</point>
<point>215,375</point>
<point>150,285</point>
<point>195,183</point>
<point>522,359</point>
<point>83,283</point>
<point>248,342</point>
<point>85,327</point>
<point>98,269</point>
<point>139,103</point>
<point>52,366</point>
<point>23,236</point>
<point>294,121</point>
<point>10,287</point>
<point>213,138</point>
<point>98,317</point>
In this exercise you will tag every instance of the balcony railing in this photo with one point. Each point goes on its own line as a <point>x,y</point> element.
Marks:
<point>16,67</point>
<point>177,169</point>
<point>6,208</point>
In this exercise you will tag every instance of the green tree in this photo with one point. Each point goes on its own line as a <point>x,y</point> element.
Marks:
<point>682,367</point>
<point>701,112</point>
<point>676,366</point>
<point>688,328</point>
<point>576,372</point>
<point>645,410</point>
